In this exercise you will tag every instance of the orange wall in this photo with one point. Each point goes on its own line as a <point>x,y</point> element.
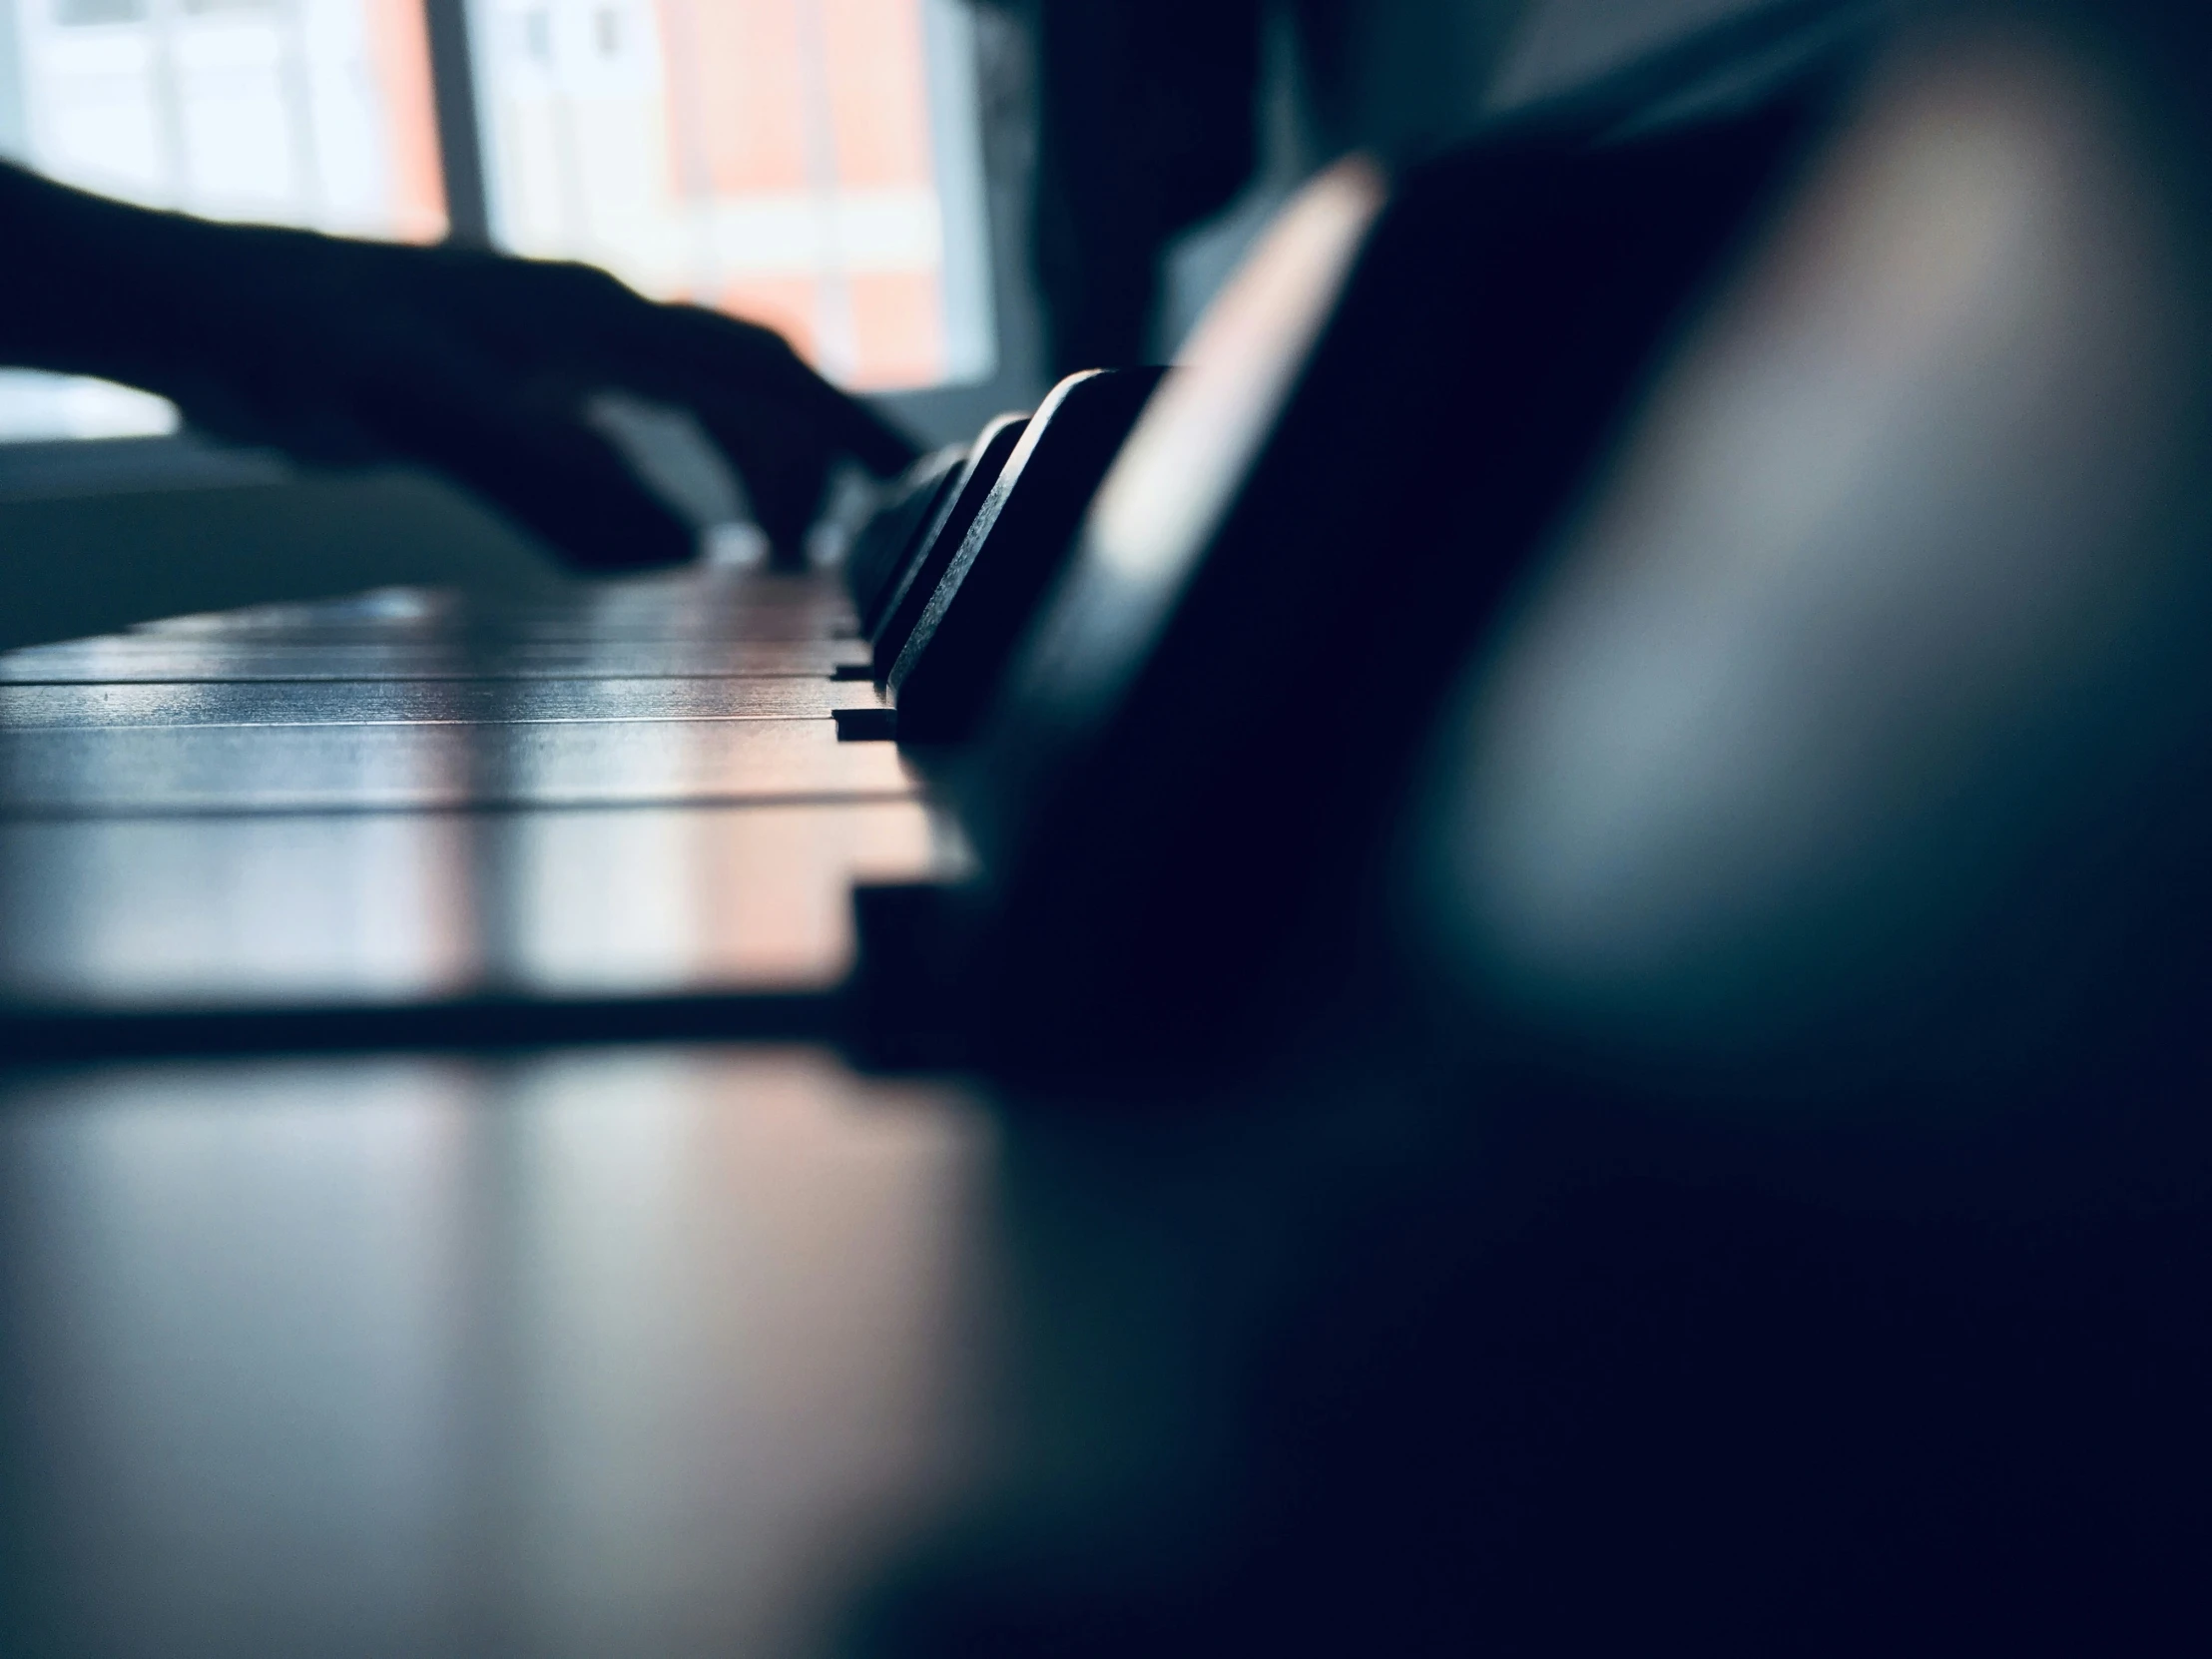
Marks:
<point>400,47</point>
<point>740,84</point>
<point>784,303</point>
<point>899,324</point>
<point>878,91</point>
<point>737,78</point>
<point>738,74</point>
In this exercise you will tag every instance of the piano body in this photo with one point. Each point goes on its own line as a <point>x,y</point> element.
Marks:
<point>1514,964</point>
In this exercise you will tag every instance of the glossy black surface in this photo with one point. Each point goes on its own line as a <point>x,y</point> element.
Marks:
<point>1198,747</point>
<point>950,666</point>
<point>881,546</point>
<point>926,561</point>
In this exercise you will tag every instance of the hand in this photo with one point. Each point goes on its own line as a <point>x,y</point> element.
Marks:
<point>474,364</point>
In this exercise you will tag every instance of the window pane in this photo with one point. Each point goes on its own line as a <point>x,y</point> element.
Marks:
<point>291,112</point>
<point>813,163</point>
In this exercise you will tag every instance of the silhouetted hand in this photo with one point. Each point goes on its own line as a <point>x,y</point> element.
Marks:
<point>346,353</point>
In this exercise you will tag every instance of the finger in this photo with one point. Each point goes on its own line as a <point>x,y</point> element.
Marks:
<point>543,467</point>
<point>784,485</point>
<point>779,422</point>
<point>732,362</point>
<point>875,442</point>
<point>733,373</point>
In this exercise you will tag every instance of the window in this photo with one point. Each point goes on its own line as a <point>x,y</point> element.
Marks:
<point>814,164</point>
<point>809,163</point>
<point>296,112</point>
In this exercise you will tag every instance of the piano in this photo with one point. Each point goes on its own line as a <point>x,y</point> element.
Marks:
<point>1515,962</point>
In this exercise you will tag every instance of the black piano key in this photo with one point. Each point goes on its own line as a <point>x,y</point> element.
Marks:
<point>907,509</point>
<point>926,563</point>
<point>874,609</point>
<point>957,655</point>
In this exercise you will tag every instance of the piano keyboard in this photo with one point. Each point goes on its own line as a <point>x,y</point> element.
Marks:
<point>382,807</point>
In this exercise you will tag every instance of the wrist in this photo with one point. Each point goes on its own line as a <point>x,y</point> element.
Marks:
<point>99,286</point>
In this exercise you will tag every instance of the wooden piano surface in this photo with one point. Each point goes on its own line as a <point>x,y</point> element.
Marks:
<point>627,1348</point>
<point>599,1352</point>
<point>633,791</point>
